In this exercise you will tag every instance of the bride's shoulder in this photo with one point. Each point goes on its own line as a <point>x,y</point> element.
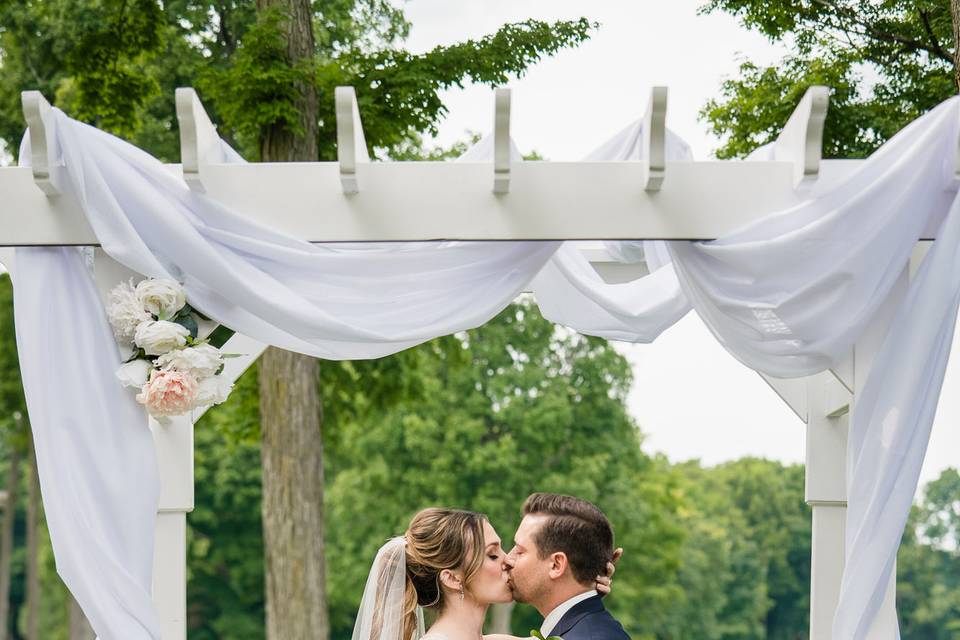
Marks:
<point>433,636</point>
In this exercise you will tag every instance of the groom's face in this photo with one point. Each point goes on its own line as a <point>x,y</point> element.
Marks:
<point>529,574</point>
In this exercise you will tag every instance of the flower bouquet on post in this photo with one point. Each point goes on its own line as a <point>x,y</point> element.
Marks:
<point>174,370</point>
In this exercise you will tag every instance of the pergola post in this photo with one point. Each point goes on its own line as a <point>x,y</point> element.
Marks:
<point>825,491</point>
<point>826,470</point>
<point>174,445</point>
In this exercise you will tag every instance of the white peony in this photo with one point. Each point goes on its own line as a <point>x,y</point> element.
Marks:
<point>156,337</point>
<point>212,391</point>
<point>134,373</point>
<point>201,361</point>
<point>125,312</point>
<point>161,297</point>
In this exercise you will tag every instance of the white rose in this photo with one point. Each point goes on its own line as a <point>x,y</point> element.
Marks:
<point>161,297</point>
<point>212,391</point>
<point>201,361</point>
<point>156,337</point>
<point>125,312</point>
<point>134,373</point>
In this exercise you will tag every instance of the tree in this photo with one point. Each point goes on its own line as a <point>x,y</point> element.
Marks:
<point>902,46</point>
<point>745,563</point>
<point>928,563</point>
<point>291,450</point>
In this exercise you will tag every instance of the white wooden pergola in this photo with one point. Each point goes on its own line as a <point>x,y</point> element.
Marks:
<point>354,200</point>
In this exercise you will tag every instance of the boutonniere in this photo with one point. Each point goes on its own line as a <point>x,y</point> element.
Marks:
<point>535,633</point>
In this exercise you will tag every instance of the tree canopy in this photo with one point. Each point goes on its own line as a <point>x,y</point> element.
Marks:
<point>886,62</point>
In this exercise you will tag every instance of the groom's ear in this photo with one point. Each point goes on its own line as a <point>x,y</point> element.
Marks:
<point>558,565</point>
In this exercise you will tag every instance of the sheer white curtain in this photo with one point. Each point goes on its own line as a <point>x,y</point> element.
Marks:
<point>788,296</point>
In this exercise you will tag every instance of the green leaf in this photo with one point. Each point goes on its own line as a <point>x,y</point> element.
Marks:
<point>190,324</point>
<point>219,336</point>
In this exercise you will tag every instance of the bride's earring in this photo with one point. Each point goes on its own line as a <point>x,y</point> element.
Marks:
<point>461,593</point>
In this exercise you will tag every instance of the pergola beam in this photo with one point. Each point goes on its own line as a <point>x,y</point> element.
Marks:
<point>547,200</point>
<point>36,111</point>
<point>655,140</point>
<point>502,160</point>
<point>801,141</point>
<point>198,137</point>
<point>351,142</point>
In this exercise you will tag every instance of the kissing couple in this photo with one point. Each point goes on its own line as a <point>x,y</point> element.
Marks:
<point>453,562</point>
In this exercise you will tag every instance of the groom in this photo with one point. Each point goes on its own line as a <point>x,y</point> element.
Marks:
<point>562,544</point>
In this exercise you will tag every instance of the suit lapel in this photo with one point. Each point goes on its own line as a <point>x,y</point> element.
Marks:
<point>579,611</point>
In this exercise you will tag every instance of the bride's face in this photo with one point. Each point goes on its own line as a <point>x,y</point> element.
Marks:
<point>489,585</point>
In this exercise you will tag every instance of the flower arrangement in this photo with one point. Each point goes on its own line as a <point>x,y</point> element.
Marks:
<point>174,371</point>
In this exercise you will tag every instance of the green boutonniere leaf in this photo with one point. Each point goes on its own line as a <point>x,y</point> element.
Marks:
<point>535,633</point>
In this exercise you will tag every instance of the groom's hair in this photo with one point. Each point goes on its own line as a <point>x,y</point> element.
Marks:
<point>576,528</point>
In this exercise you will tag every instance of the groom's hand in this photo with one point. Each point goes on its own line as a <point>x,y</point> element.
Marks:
<point>605,583</point>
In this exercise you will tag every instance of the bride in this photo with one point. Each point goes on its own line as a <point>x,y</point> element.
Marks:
<point>448,560</point>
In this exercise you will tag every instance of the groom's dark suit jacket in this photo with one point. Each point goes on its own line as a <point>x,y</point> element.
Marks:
<point>589,620</point>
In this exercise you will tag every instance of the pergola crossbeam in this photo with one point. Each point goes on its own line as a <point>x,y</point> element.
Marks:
<point>655,140</point>
<point>37,112</point>
<point>351,141</point>
<point>199,139</point>
<point>801,141</point>
<point>502,150</point>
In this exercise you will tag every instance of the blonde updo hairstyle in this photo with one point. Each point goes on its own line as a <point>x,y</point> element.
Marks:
<point>438,540</point>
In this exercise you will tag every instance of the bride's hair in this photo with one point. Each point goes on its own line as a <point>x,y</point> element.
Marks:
<point>439,539</point>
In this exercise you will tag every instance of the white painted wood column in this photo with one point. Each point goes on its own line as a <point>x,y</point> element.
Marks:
<point>174,445</point>
<point>826,490</point>
<point>174,442</point>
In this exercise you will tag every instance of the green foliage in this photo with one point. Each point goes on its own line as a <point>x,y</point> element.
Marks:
<point>116,63</point>
<point>928,564</point>
<point>259,87</point>
<point>91,55</point>
<point>225,542</point>
<point>887,62</point>
<point>745,563</point>
<point>398,92</point>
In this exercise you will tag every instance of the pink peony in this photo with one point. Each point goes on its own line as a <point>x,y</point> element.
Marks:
<point>168,393</point>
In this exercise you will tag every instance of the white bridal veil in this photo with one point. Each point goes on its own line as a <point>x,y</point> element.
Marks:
<point>381,610</point>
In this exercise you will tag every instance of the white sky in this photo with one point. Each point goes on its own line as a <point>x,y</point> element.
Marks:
<point>692,399</point>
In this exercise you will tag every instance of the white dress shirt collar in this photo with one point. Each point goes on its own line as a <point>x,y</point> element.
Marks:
<point>557,614</point>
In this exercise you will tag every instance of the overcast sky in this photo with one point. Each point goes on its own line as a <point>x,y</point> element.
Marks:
<point>691,398</point>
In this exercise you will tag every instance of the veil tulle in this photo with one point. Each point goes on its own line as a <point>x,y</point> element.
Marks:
<point>381,610</point>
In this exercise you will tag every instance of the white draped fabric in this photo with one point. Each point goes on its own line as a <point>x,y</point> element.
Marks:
<point>95,455</point>
<point>787,296</point>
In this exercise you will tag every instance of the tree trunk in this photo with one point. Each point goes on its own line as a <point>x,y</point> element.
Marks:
<point>955,11</point>
<point>291,412</point>
<point>6,544</point>
<point>277,143</point>
<point>500,618</point>
<point>80,628</point>
<point>32,561</point>
<point>292,461</point>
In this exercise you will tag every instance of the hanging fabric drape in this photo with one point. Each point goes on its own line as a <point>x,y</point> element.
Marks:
<point>788,296</point>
